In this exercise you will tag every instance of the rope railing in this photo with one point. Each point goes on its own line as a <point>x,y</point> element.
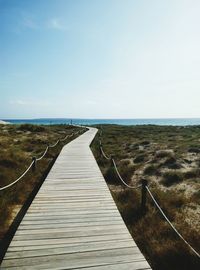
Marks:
<point>62,140</point>
<point>53,145</point>
<point>103,154</point>
<point>34,159</point>
<point>169,222</point>
<point>19,178</point>
<point>144,190</point>
<point>115,167</point>
<point>46,150</point>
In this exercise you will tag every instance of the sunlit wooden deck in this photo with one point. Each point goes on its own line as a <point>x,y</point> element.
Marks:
<point>73,222</point>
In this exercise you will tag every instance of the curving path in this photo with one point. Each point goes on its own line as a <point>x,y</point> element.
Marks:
<point>73,222</point>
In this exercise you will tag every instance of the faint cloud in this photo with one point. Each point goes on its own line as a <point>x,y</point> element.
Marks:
<point>17,102</point>
<point>22,102</point>
<point>29,22</point>
<point>56,24</point>
<point>90,102</point>
<point>25,22</point>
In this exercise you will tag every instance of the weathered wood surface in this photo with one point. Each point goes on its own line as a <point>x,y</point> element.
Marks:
<point>73,222</point>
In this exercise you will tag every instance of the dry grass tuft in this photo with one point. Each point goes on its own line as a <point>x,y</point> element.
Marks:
<point>164,159</point>
<point>18,145</point>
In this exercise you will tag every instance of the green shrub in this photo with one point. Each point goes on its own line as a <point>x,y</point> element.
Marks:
<point>194,149</point>
<point>126,172</point>
<point>171,163</point>
<point>31,128</point>
<point>144,143</point>
<point>111,177</point>
<point>139,158</point>
<point>8,163</point>
<point>192,173</point>
<point>164,153</point>
<point>170,178</point>
<point>196,197</point>
<point>150,170</point>
<point>124,162</point>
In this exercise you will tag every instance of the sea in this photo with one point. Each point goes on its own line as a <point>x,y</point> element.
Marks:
<point>125,122</point>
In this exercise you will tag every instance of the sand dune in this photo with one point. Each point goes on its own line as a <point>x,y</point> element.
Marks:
<point>3,122</point>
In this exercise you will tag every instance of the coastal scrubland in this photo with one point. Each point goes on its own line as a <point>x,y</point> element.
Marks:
<point>168,157</point>
<point>18,144</point>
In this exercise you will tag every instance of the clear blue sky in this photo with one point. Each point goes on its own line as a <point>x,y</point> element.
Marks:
<point>99,58</point>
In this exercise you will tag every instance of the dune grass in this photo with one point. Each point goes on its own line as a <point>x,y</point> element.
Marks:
<point>18,144</point>
<point>163,156</point>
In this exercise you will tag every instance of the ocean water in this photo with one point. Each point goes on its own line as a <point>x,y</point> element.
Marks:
<point>164,121</point>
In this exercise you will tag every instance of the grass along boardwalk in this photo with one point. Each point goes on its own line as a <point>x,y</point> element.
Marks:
<point>73,222</point>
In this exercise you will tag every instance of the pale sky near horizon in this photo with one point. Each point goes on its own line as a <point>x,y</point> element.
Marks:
<point>99,58</point>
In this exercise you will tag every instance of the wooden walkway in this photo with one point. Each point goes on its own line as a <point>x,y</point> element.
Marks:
<point>73,222</point>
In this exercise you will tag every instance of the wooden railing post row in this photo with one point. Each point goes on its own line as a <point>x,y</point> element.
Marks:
<point>144,195</point>
<point>34,164</point>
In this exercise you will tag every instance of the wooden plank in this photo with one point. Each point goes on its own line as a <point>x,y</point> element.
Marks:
<point>70,202</point>
<point>66,224</point>
<point>59,241</point>
<point>79,247</point>
<point>81,259</point>
<point>81,233</point>
<point>71,212</point>
<point>73,222</point>
<point>72,217</point>
<point>73,229</point>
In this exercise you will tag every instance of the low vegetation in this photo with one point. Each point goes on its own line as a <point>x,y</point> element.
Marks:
<point>169,158</point>
<point>18,144</point>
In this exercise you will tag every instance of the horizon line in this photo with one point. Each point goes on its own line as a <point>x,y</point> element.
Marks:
<point>77,118</point>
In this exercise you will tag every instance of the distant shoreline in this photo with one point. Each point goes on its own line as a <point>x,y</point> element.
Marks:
<point>2,122</point>
<point>125,122</point>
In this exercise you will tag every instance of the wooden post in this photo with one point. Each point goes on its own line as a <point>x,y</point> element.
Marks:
<point>111,160</point>
<point>100,135</point>
<point>100,145</point>
<point>34,164</point>
<point>144,195</point>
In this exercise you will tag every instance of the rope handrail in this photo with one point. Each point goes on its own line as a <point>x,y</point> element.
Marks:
<point>36,159</point>
<point>62,140</point>
<point>53,145</point>
<point>169,222</point>
<point>116,169</point>
<point>132,187</point>
<point>115,166</point>
<point>71,135</point>
<point>103,153</point>
<point>45,151</point>
<point>19,178</point>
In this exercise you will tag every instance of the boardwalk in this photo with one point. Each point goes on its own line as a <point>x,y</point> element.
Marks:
<point>73,222</point>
